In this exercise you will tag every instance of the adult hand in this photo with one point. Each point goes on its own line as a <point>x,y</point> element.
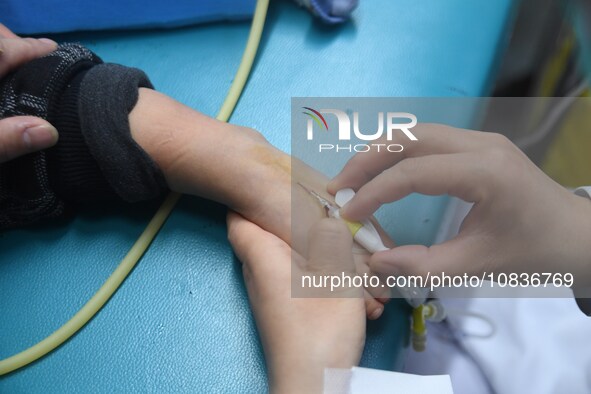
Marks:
<point>521,220</point>
<point>20,135</point>
<point>301,336</point>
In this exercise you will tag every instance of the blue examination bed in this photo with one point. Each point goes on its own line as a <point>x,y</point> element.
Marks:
<point>181,321</point>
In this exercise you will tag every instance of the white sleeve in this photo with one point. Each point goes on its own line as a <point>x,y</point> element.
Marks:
<point>584,304</point>
<point>365,381</point>
<point>583,191</point>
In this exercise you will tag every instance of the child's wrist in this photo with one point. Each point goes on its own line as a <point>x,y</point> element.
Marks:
<point>199,155</point>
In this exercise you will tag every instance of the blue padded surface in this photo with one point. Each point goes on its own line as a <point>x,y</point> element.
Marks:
<point>181,321</point>
<point>57,16</point>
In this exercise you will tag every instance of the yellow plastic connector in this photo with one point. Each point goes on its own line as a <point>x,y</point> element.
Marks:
<point>430,311</point>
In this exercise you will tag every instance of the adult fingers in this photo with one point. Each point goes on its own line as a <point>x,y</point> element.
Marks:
<point>461,175</point>
<point>17,51</point>
<point>5,32</point>
<point>374,286</point>
<point>454,257</point>
<point>431,139</point>
<point>20,135</point>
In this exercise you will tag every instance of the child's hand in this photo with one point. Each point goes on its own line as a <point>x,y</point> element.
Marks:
<point>301,336</point>
<point>235,166</point>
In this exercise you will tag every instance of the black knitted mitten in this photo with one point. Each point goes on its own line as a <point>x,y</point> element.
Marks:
<point>95,159</point>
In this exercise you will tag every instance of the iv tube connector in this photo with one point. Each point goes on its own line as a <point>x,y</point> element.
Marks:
<point>431,311</point>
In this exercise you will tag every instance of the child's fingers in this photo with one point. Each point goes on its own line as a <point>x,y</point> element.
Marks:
<point>330,245</point>
<point>373,308</point>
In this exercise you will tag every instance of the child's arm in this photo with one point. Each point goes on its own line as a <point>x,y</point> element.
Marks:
<point>234,165</point>
<point>120,140</point>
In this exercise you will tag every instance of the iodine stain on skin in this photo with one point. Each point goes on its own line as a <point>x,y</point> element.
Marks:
<point>269,157</point>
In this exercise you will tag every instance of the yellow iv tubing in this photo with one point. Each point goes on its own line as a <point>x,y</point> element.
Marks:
<point>111,285</point>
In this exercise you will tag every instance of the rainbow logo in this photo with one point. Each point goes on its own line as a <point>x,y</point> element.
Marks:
<point>316,116</point>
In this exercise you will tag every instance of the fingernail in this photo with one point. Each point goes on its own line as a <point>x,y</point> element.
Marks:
<point>376,313</point>
<point>48,41</point>
<point>40,137</point>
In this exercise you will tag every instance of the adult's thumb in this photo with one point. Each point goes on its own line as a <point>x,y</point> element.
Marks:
<point>415,260</point>
<point>24,134</point>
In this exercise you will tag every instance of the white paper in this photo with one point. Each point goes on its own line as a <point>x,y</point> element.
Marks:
<point>374,381</point>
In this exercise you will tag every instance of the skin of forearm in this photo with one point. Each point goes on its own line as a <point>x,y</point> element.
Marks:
<point>197,154</point>
<point>230,164</point>
<point>237,167</point>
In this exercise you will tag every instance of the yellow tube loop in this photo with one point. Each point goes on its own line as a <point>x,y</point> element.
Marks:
<point>111,285</point>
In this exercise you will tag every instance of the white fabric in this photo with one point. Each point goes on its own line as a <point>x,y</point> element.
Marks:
<point>337,380</point>
<point>583,191</point>
<point>540,345</point>
<point>373,381</point>
<point>444,356</point>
